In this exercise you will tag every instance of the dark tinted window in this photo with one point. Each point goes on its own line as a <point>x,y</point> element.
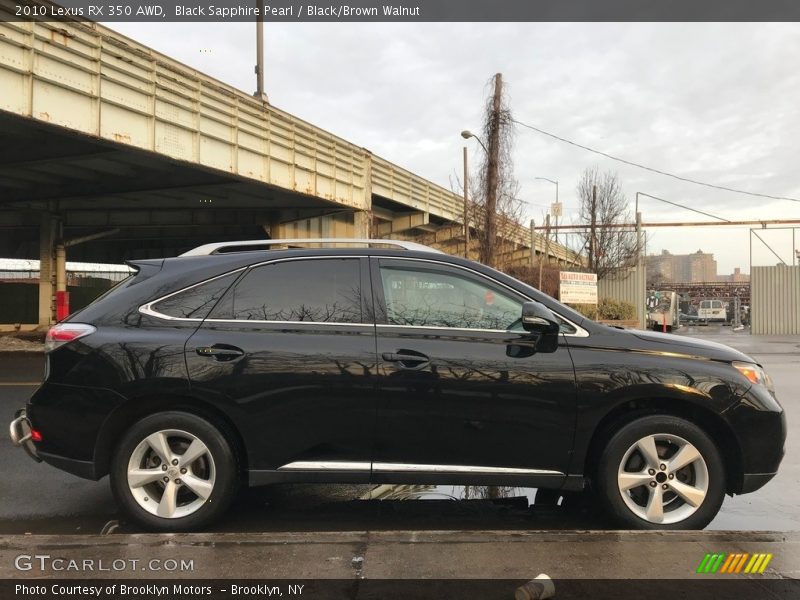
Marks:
<point>324,291</point>
<point>428,297</point>
<point>197,301</point>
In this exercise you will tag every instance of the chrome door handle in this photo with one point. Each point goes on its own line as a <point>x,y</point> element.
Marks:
<point>220,352</point>
<point>407,360</point>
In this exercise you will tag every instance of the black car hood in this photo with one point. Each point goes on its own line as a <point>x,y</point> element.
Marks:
<point>667,342</point>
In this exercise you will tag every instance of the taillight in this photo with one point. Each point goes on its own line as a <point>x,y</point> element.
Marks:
<point>64,333</point>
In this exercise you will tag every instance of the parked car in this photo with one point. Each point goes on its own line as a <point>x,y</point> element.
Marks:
<point>387,362</point>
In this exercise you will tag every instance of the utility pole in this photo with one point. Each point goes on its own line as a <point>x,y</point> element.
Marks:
<point>641,269</point>
<point>492,173</point>
<point>558,213</point>
<point>592,228</point>
<point>547,239</point>
<point>466,206</point>
<point>533,242</point>
<point>260,93</point>
<point>546,249</point>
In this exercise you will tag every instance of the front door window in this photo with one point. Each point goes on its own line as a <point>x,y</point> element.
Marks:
<point>422,297</point>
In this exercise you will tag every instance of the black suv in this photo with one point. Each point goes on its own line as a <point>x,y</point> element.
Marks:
<point>245,363</point>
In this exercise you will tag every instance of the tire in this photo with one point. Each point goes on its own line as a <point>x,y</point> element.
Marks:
<point>689,496</point>
<point>138,472</point>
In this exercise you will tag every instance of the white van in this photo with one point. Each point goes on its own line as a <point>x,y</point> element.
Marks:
<point>712,311</point>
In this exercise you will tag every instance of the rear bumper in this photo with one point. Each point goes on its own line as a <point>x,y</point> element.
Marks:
<point>20,432</point>
<point>81,468</point>
<point>754,481</point>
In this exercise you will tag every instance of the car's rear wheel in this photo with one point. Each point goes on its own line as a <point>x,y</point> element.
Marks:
<point>174,471</point>
<point>661,472</point>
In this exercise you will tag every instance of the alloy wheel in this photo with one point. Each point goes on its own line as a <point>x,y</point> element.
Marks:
<point>663,478</point>
<point>171,473</point>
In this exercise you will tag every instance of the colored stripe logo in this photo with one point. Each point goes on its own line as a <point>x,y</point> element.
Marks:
<point>740,562</point>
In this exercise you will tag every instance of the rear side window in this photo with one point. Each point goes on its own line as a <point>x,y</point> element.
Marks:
<point>197,301</point>
<point>319,290</point>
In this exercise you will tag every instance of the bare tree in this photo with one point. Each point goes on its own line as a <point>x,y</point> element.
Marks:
<point>495,210</point>
<point>603,208</point>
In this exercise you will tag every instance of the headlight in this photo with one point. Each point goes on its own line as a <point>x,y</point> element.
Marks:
<point>755,374</point>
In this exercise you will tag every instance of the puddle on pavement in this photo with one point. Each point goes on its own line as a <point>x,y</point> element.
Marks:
<point>521,496</point>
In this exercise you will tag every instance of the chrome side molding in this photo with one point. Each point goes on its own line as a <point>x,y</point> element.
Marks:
<point>382,467</point>
<point>415,468</point>
<point>311,465</point>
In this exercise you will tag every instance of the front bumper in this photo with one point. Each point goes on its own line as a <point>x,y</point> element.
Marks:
<point>20,432</point>
<point>759,424</point>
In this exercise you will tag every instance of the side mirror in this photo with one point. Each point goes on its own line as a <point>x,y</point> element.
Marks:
<point>537,318</point>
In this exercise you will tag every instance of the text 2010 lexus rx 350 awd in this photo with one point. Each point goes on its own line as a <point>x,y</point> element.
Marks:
<point>239,363</point>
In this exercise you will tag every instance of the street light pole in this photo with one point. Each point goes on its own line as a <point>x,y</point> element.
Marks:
<point>466,134</point>
<point>466,206</point>
<point>556,208</point>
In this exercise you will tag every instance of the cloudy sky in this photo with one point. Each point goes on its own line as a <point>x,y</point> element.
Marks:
<point>715,102</point>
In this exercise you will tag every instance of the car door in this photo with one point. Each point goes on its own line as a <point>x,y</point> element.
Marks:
<point>290,351</point>
<point>462,387</point>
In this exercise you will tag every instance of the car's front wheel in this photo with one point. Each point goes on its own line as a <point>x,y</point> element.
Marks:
<point>661,472</point>
<point>174,471</point>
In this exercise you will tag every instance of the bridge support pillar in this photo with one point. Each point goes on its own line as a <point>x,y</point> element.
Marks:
<point>362,224</point>
<point>47,238</point>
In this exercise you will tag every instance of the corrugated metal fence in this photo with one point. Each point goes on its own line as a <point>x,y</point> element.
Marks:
<point>627,286</point>
<point>775,297</point>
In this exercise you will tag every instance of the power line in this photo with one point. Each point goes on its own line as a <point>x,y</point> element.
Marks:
<point>753,232</point>
<point>651,169</point>
<point>683,206</point>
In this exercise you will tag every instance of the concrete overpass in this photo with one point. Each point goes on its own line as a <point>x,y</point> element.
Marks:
<point>114,151</point>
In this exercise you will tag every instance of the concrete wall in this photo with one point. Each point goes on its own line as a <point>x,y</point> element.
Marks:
<point>775,297</point>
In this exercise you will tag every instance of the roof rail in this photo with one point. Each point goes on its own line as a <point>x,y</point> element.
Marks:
<point>217,247</point>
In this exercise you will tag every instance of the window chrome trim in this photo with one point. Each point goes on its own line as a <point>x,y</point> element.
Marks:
<point>295,258</point>
<point>292,323</point>
<point>382,467</point>
<point>147,309</point>
<point>579,331</point>
<point>443,327</point>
